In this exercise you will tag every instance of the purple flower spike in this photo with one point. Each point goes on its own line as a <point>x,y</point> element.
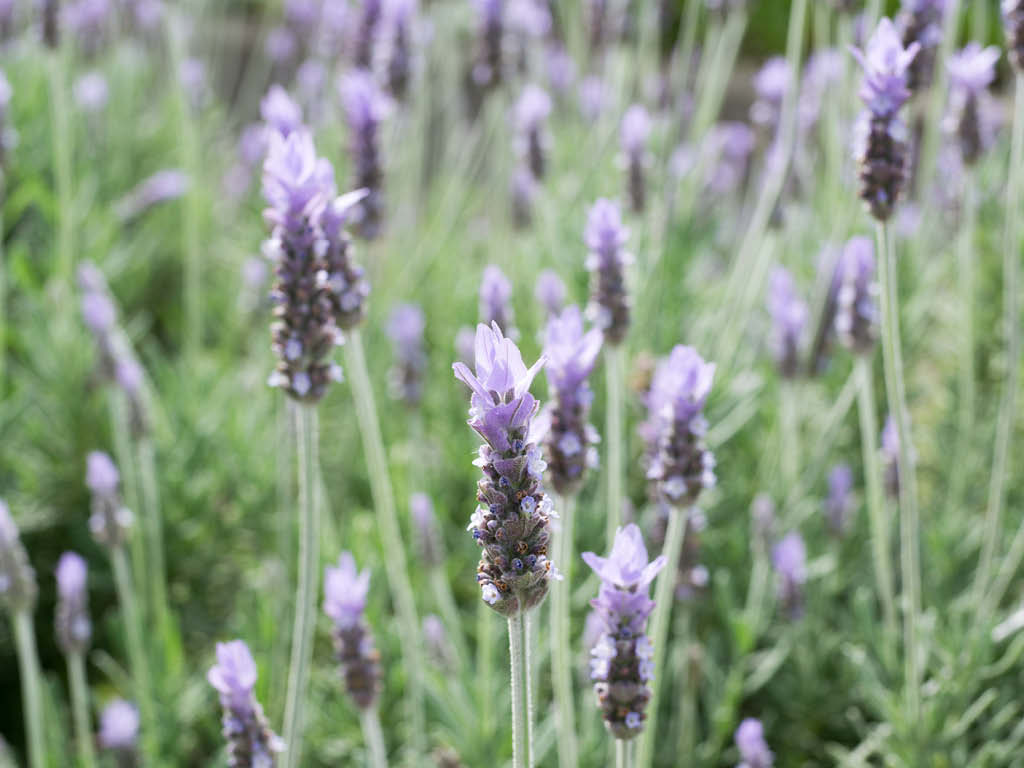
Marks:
<point>8,137</point>
<point>405,379</point>
<point>366,107</point>
<point>1013,30</point>
<point>839,503</point>
<point>250,741</point>
<point>681,467</point>
<point>428,535</point>
<point>789,317</point>
<point>367,30</point>
<point>856,317</point>
<point>399,15</point>
<point>606,237</point>
<point>550,292</point>
<point>345,591</point>
<point>890,451</point>
<point>790,561</point>
<point>880,136</point>
<point>511,523</point>
<point>280,112</point>
<point>971,71</point>
<point>754,751</point>
<point>593,97</point>
<point>110,520</point>
<point>572,354</point>
<point>770,86</point>
<point>74,629</point>
<point>119,727</point>
<point>524,193</point>
<point>91,92</point>
<point>18,589</point>
<point>636,130</point>
<point>823,72</point>
<point>532,111</point>
<point>488,69</point>
<point>495,301</point>
<point>161,187</point>
<point>921,22</point>
<point>622,659</point>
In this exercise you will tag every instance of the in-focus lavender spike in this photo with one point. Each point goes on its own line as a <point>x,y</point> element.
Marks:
<point>622,663</point>
<point>511,523</point>
<point>74,629</point>
<point>571,354</point>
<point>251,743</point>
<point>345,591</point>
<point>605,236</point>
<point>18,589</point>
<point>366,107</point>
<point>750,742</point>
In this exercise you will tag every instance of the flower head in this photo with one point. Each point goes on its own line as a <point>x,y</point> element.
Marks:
<point>635,130</point>
<point>753,749</point>
<point>101,475</point>
<point>280,112</point>
<point>345,591</point>
<point>119,726</point>
<point>885,62</point>
<point>627,566</point>
<point>973,68</point>
<point>790,561</point>
<point>550,291</point>
<point>250,740</point>
<point>839,502</point>
<point>789,315</point>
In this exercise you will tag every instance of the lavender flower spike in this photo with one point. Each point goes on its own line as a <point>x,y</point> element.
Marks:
<point>880,135</point>
<point>635,131</point>
<point>839,503</point>
<point>18,589</point>
<point>1013,30</point>
<point>921,22</point>
<point>891,457</point>
<point>572,354</point>
<point>495,301</point>
<point>251,743</point>
<point>280,112</point>
<point>487,71</point>
<point>405,379</point>
<point>366,107</point>
<point>297,185</point>
<point>345,592</point>
<point>119,730</point>
<point>399,15</point>
<point>790,560</point>
<point>428,535</point>
<point>606,237</point>
<point>366,33</point>
<point>110,520</point>
<point>681,467</point>
<point>511,523</point>
<point>789,317</point>
<point>971,71</point>
<point>754,752</point>
<point>622,660</point>
<point>856,319</point>
<point>74,629</point>
<point>550,292</point>
<point>532,111</point>
<point>770,85</point>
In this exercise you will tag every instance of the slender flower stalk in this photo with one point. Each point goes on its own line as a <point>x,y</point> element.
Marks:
<point>18,593</point>
<point>74,631</point>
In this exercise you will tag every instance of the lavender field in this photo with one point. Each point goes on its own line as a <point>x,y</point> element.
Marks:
<point>511,383</point>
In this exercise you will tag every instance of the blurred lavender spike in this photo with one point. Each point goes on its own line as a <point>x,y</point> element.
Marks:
<point>428,535</point>
<point>550,292</point>
<point>681,467</point>
<point>921,22</point>
<point>770,86</point>
<point>532,111</point>
<point>789,317</point>
<point>487,71</point>
<point>754,751</point>
<point>298,185</point>
<point>524,193</point>
<point>8,136</point>
<point>1013,31</point>
<point>857,316</point>
<point>971,71</point>
<point>366,107</point>
<point>890,450</point>
<point>251,743</point>
<point>635,132</point>
<point>839,502</point>
<point>161,187</point>
<point>345,591</point>
<point>18,589</point>
<point>605,237</point>
<point>50,10</point>
<point>366,33</point>
<point>571,354</point>
<point>790,561</point>
<point>623,658</point>
<point>880,136</point>
<point>399,17</point>
<point>496,301</point>
<point>110,520</point>
<point>119,730</point>
<point>280,112</point>
<point>91,93</point>
<point>74,629</point>
<point>346,280</point>
<point>511,521</point>
<point>405,379</point>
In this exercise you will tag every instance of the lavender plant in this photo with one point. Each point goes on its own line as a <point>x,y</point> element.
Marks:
<point>405,380</point>
<point>119,732</point>
<point>495,301</point>
<point>533,140</point>
<point>399,18</point>
<point>754,752</point>
<point>74,631</point>
<point>366,107</point>
<point>635,133</point>
<point>789,557</point>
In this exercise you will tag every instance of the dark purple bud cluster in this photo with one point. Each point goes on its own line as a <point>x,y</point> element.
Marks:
<point>921,21</point>
<point>532,111</point>
<point>18,588</point>
<point>487,70</point>
<point>880,136</point>
<point>345,591</point>
<point>681,466</point>
<point>251,743</point>
<point>366,107</point>
<point>1013,29</point>
<point>605,236</point>
<point>622,659</point>
<point>349,288</point>
<point>110,521</point>
<point>405,379</point>
<point>571,439</point>
<point>74,629</point>
<point>512,522</point>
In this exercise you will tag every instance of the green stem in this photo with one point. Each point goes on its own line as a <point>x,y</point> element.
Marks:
<point>305,417</point>
<point>688,698</point>
<point>561,657</point>
<point>622,754</point>
<point>875,498</point>
<point>484,642</point>
<point>62,152</point>
<point>663,599</point>
<point>892,357</point>
<point>614,417</point>
<point>31,687</point>
<point>789,431</point>
<point>517,664</point>
<point>136,651</point>
<point>3,285</point>
<point>1011,310</point>
<point>374,738</point>
<point>80,710</point>
<point>156,568</point>
<point>120,424</point>
<point>390,533</point>
<point>528,641</point>
<point>449,612</point>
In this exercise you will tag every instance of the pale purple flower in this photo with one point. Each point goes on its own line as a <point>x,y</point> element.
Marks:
<point>110,519</point>
<point>119,726</point>
<point>971,71</point>
<point>405,328</point>
<point>163,186</point>
<point>635,132</point>
<point>101,475</point>
<point>74,629</point>
<point>839,503</point>
<point>91,92</point>
<point>770,86</point>
<point>366,32</point>
<point>495,301</point>
<point>487,71</point>
<point>246,730</point>
<point>730,144</point>
<point>561,69</point>
<point>593,96</point>
<point>87,20</point>
<point>754,752</point>
<point>345,592</point>
<point>856,313</point>
<point>885,62</point>
<point>605,237</point>
<point>18,589</point>
<point>789,559</point>
<point>366,107</point>
<point>550,292</point>
<point>281,45</point>
<point>789,318</point>
<point>98,312</point>
<point>280,112</point>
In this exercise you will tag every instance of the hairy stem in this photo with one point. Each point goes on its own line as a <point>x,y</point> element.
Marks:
<point>31,687</point>
<point>305,417</point>
<point>561,656</point>
<point>528,641</point>
<point>374,738</point>
<point>80,710</point>
<point>517,664</point>
<point>614,417</point>
<point>622,754</point>
<point>390,533</point>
